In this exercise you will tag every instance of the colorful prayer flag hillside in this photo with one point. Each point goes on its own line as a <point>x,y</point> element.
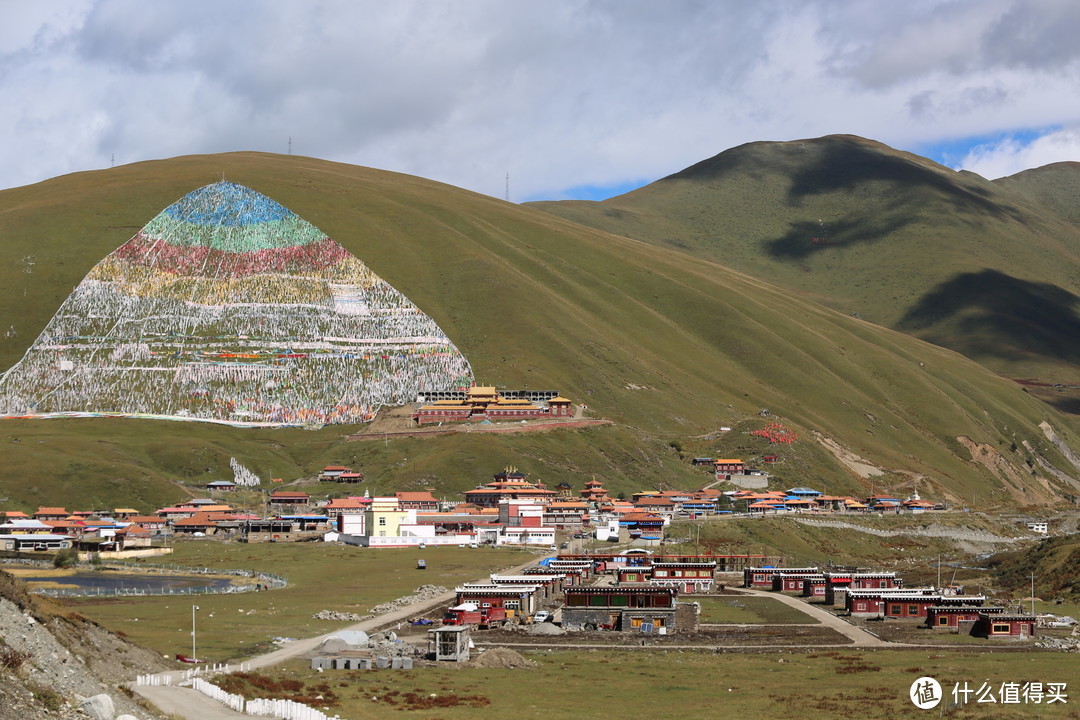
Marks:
<point>228,307</point>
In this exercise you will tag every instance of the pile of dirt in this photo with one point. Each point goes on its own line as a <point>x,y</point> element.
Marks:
<point>545,629</point>
<point>500,657</point>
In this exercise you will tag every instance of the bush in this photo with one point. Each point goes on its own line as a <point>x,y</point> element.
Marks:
<point>48,698</point>
<point>12,659</point>
<point>66,558</point>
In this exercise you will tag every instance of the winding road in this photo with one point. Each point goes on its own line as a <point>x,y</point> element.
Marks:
<point>193,705</point>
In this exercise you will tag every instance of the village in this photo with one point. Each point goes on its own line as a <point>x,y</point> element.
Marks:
<point>508,511</point>
<point>601,573</point>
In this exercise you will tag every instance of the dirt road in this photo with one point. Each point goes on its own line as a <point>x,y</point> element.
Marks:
<point>187,703</point>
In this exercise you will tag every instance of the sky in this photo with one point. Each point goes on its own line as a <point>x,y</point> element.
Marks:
<point>566,98</point>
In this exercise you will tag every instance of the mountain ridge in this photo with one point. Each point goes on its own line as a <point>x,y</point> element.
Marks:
<point>872,232</point>
<point>666,345</point>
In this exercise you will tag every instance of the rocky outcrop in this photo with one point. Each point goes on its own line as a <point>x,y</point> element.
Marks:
<point>64,668</point>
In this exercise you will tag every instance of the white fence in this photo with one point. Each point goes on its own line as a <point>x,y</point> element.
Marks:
<point>172,678</point>
<point>260,707</point>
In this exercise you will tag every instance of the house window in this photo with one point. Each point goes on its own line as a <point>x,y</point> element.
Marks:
<point>512,604</point>
<point>913,610</point>
<point>660,622</point>
<point>860,606</point>
<point>895,610</point>
<point>942,620</point>
<point>598,600</point>
<point>382,522</point>
<point>1000,628</point>
<point>635,623</point>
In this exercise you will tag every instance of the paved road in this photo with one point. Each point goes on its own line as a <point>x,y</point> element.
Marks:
<point>193,705</point>
<point>187,703</point>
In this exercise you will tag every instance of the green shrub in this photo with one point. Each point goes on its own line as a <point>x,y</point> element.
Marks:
<point>66,558</point>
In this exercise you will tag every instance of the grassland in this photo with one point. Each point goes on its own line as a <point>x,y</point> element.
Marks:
<point>676,685</point>
<point>321,577</point>
<point>668,346</point>
<point>989,269</point>
<point>749,610</point>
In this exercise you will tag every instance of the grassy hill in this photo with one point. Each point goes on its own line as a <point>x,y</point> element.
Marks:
<point>667,345</point>
<point>1055,187</point>
<point>988,269</point>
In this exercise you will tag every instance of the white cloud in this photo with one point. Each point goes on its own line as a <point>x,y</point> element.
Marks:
<point>560,93</point>
<point>1009,156</point>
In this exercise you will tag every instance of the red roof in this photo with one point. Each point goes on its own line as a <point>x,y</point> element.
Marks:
<point>419,496</point>
<point>337,503</point>
<point>641,517</point>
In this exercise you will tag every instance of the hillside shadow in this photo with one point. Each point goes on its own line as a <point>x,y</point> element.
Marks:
<point>844,166</point>
<point>1001,315</point>
<point>804,238</point>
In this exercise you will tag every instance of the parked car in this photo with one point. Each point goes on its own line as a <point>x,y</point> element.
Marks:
<point>543,616</point>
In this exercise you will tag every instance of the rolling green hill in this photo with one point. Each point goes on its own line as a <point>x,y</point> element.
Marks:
<point>988,269</point>
<point>667,345</point>
<point>1055,187</point>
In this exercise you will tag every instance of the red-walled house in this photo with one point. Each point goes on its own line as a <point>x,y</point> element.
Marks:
<point>688,577</point>
<point>792,582</point>
<point>153,523</point>
<point>627,608</point>
<point>521,599</point>
<point>551,584</point>
<point>330,473</point>
<point>566,514</point>
<point>996,626</point>
<point>287,498</point>
<point>633,573</point>
<point>904,603</point>
<point>949,617</point>
<point>838,583</point>
<point>727,467</point>
<point>347,506</point>
<point>560,407</point>
<point>872,603</point>
<point>577,572</point>
<point>762,577</point>
<point>814,587</point>
<point>423,501</point>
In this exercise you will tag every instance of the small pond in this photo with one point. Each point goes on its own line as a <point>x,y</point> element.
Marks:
<point>152,582</point>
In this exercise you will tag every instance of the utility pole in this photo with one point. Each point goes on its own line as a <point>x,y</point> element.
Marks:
<point>508,187</point>
<point>193,609</point>
<point>290,144</point>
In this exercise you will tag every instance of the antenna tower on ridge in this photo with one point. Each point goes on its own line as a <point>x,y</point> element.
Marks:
<point>507,187</point>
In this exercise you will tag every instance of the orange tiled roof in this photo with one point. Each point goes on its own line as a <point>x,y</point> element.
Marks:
<point>418,496</point>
